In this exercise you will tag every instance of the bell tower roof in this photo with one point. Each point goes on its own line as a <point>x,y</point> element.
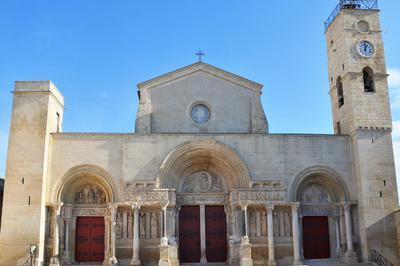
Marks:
<point>351,4</point>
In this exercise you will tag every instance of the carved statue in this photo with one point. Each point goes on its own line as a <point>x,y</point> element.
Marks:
<point>90,195</point>
<point>119,225</point>
<point>263,223</point>
<point>287,225</point>
<point>276,224</point>
<point>142,224</point>
<point>253,228</point>
<point>130,225</point>
<point>315,194</point>
<point>154,225</point>
<point>202,182</point>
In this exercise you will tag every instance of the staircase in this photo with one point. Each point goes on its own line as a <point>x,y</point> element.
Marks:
<point>330,262</point>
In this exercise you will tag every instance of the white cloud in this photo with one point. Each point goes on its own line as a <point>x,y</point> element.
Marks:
<point>394,78</point>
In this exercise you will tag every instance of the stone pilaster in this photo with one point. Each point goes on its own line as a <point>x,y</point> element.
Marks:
<point>55,259</point>
<point>135,243</point>
<point>295,232</point>
<point>350,255</point>
<point>270,229</point>
<point>113,210</point>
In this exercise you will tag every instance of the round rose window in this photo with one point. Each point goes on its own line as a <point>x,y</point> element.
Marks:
<point>200,113</point>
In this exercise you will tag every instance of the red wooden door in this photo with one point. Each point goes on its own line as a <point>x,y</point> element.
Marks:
<point>216,240</point>
<point>189,234</point>
<point>316,237</point>
<point>89,244</point>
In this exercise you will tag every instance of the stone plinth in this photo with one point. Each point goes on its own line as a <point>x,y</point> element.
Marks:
<point>168,255</point>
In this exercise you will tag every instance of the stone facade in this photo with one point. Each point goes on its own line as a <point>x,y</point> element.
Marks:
<point>202,140</point>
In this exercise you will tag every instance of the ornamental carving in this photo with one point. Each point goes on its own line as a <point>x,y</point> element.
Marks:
<point>315,194</point>
<point>257,196</point>
<point>201,198</point>
<point>202,182</point>
<point>150,197</point>
<point>90,195</point>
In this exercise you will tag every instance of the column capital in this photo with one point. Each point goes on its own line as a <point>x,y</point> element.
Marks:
<point>295,206</point>
<point>346,206</point>
<point>56,206</point>
<point>243,205</point>
<point>270,206</point>
<point>136,207</point>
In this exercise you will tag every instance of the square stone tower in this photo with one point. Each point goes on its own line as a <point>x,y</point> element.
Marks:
<point>37,111</point>
<point>361,109</point>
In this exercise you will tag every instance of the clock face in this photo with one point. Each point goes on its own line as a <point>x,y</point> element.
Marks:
<point>365,48</point>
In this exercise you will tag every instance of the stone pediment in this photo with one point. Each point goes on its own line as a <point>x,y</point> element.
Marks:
<point>200,67</point>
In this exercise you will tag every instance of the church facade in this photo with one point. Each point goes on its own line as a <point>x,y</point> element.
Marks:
<point>201,180</point>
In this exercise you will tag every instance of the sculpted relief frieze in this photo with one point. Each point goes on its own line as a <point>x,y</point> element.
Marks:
<point>183,199</point>
<point>257,196</point>
<point>315,194</point>
<point>202,182</point>
<point>150,197</point>
<point>90,195</point>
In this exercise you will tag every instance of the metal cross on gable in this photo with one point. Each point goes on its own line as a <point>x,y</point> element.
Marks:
<point>200,54</point>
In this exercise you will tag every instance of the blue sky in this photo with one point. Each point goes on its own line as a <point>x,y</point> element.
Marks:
<point>97,51</point>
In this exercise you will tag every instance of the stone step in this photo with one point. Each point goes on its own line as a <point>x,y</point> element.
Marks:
<point>333,263</point>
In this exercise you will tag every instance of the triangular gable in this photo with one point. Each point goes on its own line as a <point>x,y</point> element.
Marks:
<point>200,66</point>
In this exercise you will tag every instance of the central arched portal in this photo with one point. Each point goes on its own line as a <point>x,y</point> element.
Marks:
<point>203,174</point>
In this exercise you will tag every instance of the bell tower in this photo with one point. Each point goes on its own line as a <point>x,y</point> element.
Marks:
<point>361,109</point>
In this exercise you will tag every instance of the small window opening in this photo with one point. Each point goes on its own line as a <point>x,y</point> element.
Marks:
<point>368,78</point>
<point>372,140</point>
<point>380,194</point>
<point>58,122</point>
<point>338,129</point>
<point>23,181</point>
<point>29,200</point>
<point>343,66</point>
<point>339,87</point>
<point>384,183</point>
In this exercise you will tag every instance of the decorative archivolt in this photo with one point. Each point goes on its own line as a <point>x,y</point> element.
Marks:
<point>318,184</point>
<point>205,155</point>
<point>86,185</point>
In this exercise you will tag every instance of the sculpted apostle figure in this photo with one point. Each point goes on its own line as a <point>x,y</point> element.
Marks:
<point>119,225</point>
<point>142,224</point>
<point>154,225</point>
<point>276,224</point>
<point>286,221</point>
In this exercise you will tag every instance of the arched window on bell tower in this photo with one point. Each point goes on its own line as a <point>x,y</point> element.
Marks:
<point>339,87</point>
<point>368,78</point>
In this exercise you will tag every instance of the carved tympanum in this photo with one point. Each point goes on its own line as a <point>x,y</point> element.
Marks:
<point>315,194</point>
<point>202,182</point>
<point>90,195</point>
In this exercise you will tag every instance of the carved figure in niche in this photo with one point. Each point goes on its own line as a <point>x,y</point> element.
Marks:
<point>202,182</point>
<point>154,225</point>
<point>287,225</point>
<point>90,194</point>
<point>315,194</point>
<point>263,223</point>
<point>253,228</point>
<point>276,223</point>
<point>142,224</point>
<point>130,225</point>
<point>119,225</point>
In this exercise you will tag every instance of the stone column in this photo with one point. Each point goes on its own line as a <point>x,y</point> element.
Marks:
<point>135,243</point>
<point>245,238</point>
<point>203,258</point>
<point>301,236</point>
<point>67,222</point>
<point>270,229</point>
<point>295,234</point>
<point>55,259</point>
<point>337,231</point>
<point>350,255</point>
<point>245,246</point>
<point>113,258</point>
<point>164,239</point>
<point>107,221</point>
